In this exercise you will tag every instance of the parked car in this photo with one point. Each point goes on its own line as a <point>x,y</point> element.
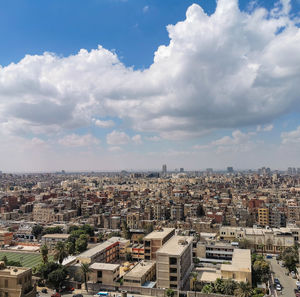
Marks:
<point>293,274</point>
<point>56,295</point>
<point>298,283</point>
<point>278,287</point>
<point>45,291</point>
<point>276,281</point>
<point>77,295</point>
<point>269,256</point>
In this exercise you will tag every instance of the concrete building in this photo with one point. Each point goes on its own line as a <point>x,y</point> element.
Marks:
<point>104,273</point>
<point>50,240</point>
<point>140,274</point>
<point>16,282</point>
<point>214,250</point>
<point>264,240</point>
<point>155,240</point>
<point>105,252</point>
<point>174,262</point>
<point>263,216</point>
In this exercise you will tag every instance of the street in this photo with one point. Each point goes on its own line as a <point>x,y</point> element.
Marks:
<point>287,282</point>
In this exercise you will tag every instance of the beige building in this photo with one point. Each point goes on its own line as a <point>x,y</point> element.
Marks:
<point>263,216</point>
<point>50,240</point>
<point>143,272</point>
<point>155,240</point>
<point>174,262</point>
<point>43,213</point>
<point>16,282</point>
<point>6,237</point>
<point>104,273</point>
<point>265,240</point>
<point>240,268</point>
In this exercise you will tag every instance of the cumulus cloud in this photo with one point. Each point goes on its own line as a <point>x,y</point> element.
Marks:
<point>75,140</point>
<point>237,142</point>
<point>117,138</point>
<point>104,124</point>
<point>217,71</point>
<point>137,139</point>
<point>291,136</point>
<point>266,128</point>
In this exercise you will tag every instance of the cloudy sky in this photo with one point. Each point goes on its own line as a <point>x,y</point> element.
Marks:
<point>134,84</point>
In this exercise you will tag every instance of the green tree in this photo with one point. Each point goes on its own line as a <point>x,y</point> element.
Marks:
<point>37,230</point>
<point>244,243</point>
<point>60,252</point>
<point>81,243</point>
<point>100,237</point>
<point>208,289</point>
<point>57,277</point>
<point>53,230</point>
<point>85,270</point>
<point>44,251</point>
<point>43,270</point>
<point>219,286</point>
<point>5,260</point>
<point>243,290</point>
<point>229,286</point>
<point>170,293</point>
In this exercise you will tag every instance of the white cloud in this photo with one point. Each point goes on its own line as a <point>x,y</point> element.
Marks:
<point>218,71</point>
<point>117,138</point>
<point>266,128</point>
<point>104,124</point>
<point>75,140</point>
<point>146,9</point>
<point>153,138</point>
<point>291,136</point>
<point>137,139</point>
<point>237,142</point>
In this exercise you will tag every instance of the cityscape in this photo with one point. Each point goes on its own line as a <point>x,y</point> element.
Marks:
<point>150,148</point>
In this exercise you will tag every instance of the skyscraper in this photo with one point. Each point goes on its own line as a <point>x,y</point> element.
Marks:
<point>164,169</point>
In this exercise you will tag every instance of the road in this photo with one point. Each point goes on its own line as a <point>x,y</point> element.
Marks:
<point>112,294</point>
<point>287,282</point>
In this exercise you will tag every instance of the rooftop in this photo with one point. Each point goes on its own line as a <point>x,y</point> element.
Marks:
<point>241,261</point>
<point>176,245</point>
<point>104,266</point>
<point>57,235</point>
<point>159,234</point>
<point>140,269</point>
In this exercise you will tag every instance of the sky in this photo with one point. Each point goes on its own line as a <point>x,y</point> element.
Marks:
<point>134,84</point>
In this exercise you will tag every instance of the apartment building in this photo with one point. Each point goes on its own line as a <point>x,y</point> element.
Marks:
<point>104,273</point>
<point>140,274</point>
<point>16,282</point>
<point>174,262</point>
<point>42,213</point>
<point>105,252</point>
<point>263,216</point>
<point>50,240</point>
<point>214,250</point>
<point>155,240</point>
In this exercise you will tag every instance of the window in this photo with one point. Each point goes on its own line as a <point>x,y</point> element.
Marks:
<point>173,278</point>
<point>6,283</point>
<point>173,261</point>
<point>99,274</point>
<point>173,270</point>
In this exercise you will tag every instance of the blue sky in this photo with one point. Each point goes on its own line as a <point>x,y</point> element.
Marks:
<point>219,87</point>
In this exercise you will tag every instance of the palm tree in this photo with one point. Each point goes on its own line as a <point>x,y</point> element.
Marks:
<point>219,286</point>
<point>85,270</point>
<point>194,280</point>
<point>60,252</point>
<point>243,290</point>
<point>229,287</point>
<point>44,251</point>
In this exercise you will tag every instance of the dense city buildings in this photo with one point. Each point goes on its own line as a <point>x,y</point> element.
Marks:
<point>149,230</point>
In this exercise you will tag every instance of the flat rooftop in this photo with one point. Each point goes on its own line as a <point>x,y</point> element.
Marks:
<point>140,269</point>
<point>241,261</point>
<point>175,246</point>
<point>159,234</point>
<point>99,248</point>
<point>104,266</point>
<point>57,235</point>
<point>207,274</point>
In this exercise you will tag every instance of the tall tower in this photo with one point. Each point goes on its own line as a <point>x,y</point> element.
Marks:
<point>164,169</point>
